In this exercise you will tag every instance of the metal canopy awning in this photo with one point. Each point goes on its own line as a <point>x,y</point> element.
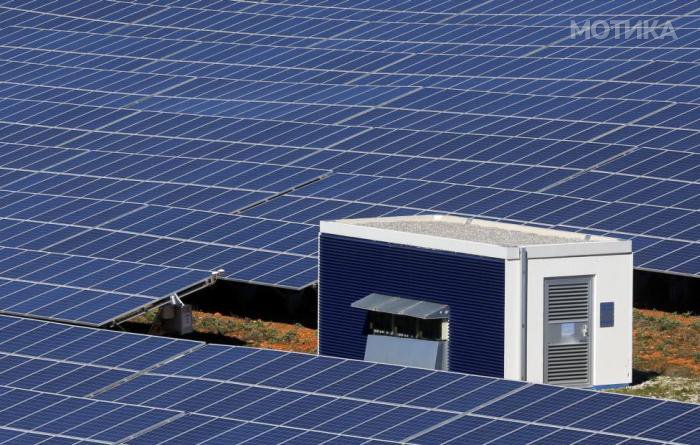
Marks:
<point>402,306</point>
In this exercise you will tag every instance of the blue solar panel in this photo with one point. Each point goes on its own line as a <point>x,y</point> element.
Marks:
<point>82,383</point>
<point>69,379</point>
<point>616,413</point>
<point>32,338</point>
<point>144,114</point>
<point>145,145</point>
<point>674,427</point>
<point>81,289</point>
<point>518,400</point>
<point>414,425</point>
<point>583,409</point>
<point>444,392</point>
<point>450,430</point>
<point>656,415</point>
<point>489,432</point>
<point>392,382</point>
<point>81,418</point>
<point>562,437</point>
<point>526,434</point>
<point>555,402</point>
<point>187,427</point>
<point>19,436</point>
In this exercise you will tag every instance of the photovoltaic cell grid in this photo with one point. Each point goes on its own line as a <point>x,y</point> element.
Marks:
<point>216,135</point>
<point>82,289</point>
<point>77,383</point>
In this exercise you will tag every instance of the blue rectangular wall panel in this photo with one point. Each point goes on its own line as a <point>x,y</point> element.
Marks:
<point>472,286</point>
<point>607,314</point>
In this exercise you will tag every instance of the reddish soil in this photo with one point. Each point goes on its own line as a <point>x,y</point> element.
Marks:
<point>666,343</point>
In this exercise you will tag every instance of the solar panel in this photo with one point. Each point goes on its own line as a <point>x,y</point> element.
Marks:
<point>81,345</point>
<point>194,137</point>
<point>61,378</point>
<point>20,436</point>
<point>79,383</point>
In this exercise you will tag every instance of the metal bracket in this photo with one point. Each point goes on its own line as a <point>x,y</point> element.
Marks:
<point>215,275</point>
<point>175,301</point>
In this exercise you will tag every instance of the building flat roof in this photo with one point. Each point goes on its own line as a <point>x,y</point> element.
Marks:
<point>482,231</point>
<point>476,236</point>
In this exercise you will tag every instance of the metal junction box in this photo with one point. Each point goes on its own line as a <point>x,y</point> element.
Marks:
<point>177,319</point>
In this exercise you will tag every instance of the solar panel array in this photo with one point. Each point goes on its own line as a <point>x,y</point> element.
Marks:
<point>81,289</point>
<point>205,135</point>
<point>79,384</point>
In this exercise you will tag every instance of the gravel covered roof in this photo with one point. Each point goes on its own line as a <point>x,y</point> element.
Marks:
<point>471,232</point>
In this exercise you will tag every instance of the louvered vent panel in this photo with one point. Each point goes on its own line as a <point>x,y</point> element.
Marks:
<point>567,302</point>
<point>567,364</point>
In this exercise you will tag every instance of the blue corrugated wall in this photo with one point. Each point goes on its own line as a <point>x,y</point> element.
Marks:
<point>473,287</point>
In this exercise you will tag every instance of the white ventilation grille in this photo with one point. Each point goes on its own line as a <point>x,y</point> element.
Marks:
<point>568,302</point>
<point>567,364</point>
<point>567,339</point>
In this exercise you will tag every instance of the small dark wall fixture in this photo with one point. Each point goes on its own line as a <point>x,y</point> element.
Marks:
<point>607,315</point>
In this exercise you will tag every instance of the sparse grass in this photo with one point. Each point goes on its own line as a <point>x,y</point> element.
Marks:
<point>253,332</point>
<point>147,317</point>
<point>686,389</point>
<point>665,322</point>
<point>666,348</point>
<point>666,343</point>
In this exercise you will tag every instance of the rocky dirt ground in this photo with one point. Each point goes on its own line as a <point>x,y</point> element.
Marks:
<point>242,331</point>
<point>667,343</point>
<point>666,356</point>
<point>666,346</point>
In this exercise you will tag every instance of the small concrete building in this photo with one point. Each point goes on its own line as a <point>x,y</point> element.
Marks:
<point>476,296</point>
